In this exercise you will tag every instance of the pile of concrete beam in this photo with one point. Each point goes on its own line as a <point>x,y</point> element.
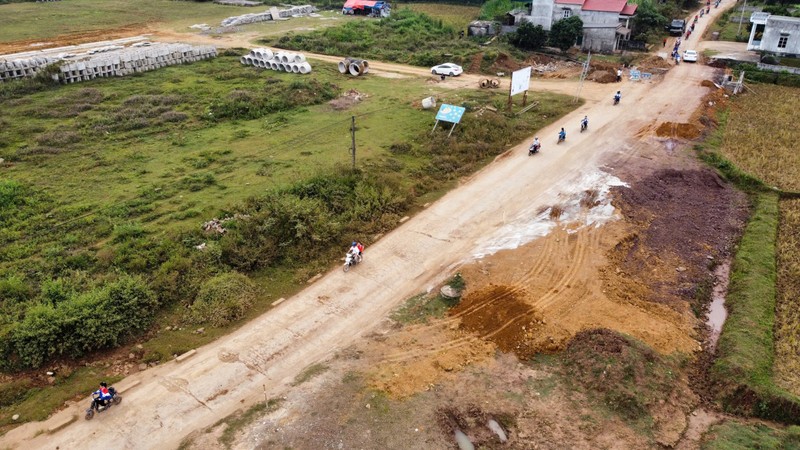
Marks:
<point>132,60</point>
<point>21,68</point>
<point>272,14</point>
<point>108,62</point>
<point>277,60</point>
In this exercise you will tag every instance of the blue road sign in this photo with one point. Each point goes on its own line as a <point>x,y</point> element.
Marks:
<point>450,113</point>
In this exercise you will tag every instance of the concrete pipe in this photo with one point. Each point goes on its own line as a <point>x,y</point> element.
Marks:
<point>244,60</point>
<point>356,68</point>
<point>344,65</point>
<point>304,67</point>
<point>365,66</point>
<point>286,57</point>
<point>495,83</point>
<point>300,58</point>
<point>485,83</point>
<point>428,102</point>
<point>274,65</point>
<point>264,53</point>
<point>295,67</point>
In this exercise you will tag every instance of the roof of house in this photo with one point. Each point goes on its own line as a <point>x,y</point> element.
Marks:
<point>629,9</point>
<point>359,4</point>
<point>570,2</point>
<point>617,6</point>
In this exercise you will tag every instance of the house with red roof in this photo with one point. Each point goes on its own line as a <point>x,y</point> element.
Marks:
<point>606,23</point>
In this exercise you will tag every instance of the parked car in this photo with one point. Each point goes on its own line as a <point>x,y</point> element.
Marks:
<point>677,27</point>
<point>449,69</point>
<point>690,56</point>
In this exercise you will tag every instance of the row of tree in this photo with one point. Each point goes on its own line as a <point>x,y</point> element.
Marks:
<point>563,35</point>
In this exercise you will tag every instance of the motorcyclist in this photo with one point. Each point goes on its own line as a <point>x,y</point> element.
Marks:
<point>536,145</point>
<point>102,395</point>
<point>585,123</point>
<point>355,249</point>
<point>617,97</point>
<point>562,135</point>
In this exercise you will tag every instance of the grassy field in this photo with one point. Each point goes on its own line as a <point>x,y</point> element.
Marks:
<point>105,185</point>
<point>32,20</point>
<point>735,435</point>
<point>787,326</point>
<point>728,29</point>
<point>761,137</point>
<point>457,16</point>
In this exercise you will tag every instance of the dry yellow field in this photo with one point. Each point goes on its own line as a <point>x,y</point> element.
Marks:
<point>761,136</point>
<point>459,16</point>
<point>787,308</point>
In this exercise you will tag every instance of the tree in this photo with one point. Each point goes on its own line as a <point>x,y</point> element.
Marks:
<point>648,21</point>
<point>528,37</point>
<point>565,32</point>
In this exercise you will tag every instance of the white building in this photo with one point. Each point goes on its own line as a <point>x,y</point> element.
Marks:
<point>605,22</point>
<point>774,34</point>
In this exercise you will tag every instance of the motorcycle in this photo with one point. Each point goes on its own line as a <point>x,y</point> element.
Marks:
<point>584,126</point>
<point>561,138</point>
<point>534,149</point>
<point>94,407</point>
<point>616,100</point>
<point>351,260</point>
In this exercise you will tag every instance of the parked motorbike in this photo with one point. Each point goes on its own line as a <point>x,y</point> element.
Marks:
<point>351,260</point>
<point>94,407</point>
<point>534,149</point>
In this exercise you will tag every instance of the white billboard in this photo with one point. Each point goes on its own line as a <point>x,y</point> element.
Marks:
<point>520,81</point>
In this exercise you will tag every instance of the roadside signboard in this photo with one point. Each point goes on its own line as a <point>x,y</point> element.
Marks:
<point>520,81</point>
<point>449,113</point>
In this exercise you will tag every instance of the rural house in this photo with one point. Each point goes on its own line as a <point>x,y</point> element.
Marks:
<point>367,8</point>
<point>606,23</point>
<point>779,35</point>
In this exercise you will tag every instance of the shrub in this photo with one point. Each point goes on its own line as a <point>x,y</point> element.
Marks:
<point>223,299</point>
<point>98,319</point>
<point>565,32</point>
<point>528,37</point>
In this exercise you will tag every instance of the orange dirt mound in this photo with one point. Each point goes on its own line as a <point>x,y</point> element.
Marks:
<point>679,130</point>
<point>708,83</point>
<point>500,315</point>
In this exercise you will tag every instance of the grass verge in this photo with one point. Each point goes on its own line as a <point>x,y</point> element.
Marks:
<point>734,435</point>
<point>743,369</point>
<point>422,307</point>
<point>787,313</point>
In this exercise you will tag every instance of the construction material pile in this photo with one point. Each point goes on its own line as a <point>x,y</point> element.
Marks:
<point>277,60</point>
<point>272,14</point>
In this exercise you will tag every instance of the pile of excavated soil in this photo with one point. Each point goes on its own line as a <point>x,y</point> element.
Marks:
<point>653,62</point>
<point>686,220</point>
<point>678,130</point>
<point>347,100</point>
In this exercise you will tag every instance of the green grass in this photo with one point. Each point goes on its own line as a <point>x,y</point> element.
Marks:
<point>308,373</point>
<point>422,307</point>
<point>458,16</point>
<point>30,20</point>
<point>41,401</point>
<point>735,435</point>
<point>728,29</point>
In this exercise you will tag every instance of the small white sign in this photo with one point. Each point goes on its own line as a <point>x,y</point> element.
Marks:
<point>520,81</point>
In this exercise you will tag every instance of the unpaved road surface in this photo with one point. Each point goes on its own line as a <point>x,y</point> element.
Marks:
<point>263,357</point>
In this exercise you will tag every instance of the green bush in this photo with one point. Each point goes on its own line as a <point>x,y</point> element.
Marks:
<point>101,318</point>
<point>14,289</point>
<point>528,37</point>
<point>223,299</point>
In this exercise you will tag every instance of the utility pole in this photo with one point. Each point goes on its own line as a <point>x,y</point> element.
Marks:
<point>741,18</point>
<point>353,134</point>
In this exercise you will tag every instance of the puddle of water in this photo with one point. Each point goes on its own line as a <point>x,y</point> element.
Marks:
<point>463,441</point>
<point>716,312</point>
<point>531,225</point>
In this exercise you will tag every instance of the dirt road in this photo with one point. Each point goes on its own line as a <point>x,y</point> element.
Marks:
<point>262,358</point>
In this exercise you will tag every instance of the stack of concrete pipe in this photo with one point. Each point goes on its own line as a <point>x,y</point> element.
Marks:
<point>21,68</point>
<point>133,60</point>
<point>277,60</point>
<point>354,67</point>
<point>272,14</point>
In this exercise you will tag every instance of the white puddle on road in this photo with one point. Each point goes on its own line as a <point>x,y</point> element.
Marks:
<point>571,199</point>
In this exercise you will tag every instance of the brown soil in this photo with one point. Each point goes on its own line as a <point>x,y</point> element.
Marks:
<point>73,38</point>
<point>678,130</point>
<point>347,100</point>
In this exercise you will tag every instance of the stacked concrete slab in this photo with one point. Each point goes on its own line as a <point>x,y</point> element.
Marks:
<point>273,14</point>
<point>21,68</point>
<point>280,60</point>
<point>109,61</point>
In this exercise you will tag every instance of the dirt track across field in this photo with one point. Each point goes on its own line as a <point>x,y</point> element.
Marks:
<point>484,216</point>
